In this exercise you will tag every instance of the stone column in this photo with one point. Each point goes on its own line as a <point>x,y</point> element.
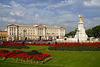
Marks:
<point>7,38</point>
<point>19,38</point>
<point>8,33</point>
<point>47,37</point>
<point>44,33</point>
<point>59,32</point>
<point>12,38</point>
<point>16,32</point>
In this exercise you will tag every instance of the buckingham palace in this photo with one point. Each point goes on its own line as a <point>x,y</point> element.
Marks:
<point>34,32</point>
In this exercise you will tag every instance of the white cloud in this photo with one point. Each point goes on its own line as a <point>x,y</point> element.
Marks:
<point>33,15</point>
<point>19,13</point>
<point>92,3</point>
<point>11,13</point>
<point>97,18</point>
<point>64,4</point>
<point>19,21</point>
<point>38,4</point>
<point>70,2</point>
<point>4,5</point>
<point>9,20</point>
<point>30,14</point>
<point>89,23</point>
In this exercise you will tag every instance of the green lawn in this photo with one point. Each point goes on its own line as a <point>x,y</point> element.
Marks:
<point>61,58</point>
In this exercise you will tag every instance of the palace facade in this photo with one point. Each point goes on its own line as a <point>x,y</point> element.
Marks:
<point>34,32</point>
<point>3,35</point>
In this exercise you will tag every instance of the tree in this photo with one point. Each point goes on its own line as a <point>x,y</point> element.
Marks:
<point>89,32</point>
<point>72,33</point>
<point>76,30</point>
<point>96,31</point>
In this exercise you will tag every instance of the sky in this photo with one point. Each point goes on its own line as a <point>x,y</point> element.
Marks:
<point>50,12</point>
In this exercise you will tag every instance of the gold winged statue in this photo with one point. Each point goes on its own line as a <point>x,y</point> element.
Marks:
<point>80,20</point>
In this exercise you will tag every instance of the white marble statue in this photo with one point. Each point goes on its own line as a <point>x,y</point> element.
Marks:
<point>81,36</point>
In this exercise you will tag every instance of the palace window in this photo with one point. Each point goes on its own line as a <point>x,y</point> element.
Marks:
<point>10,29</point>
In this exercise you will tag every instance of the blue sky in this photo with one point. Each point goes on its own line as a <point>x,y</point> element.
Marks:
<point>50,12</point>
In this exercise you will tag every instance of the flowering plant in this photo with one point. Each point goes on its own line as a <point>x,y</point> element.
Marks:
<point>34,55</point>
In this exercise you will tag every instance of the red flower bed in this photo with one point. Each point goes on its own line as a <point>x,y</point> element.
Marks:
<point>77,45</point>
<point>57,45</point>
<point>69,45</point>
<point>39,44</point>
<point>20,54</point>
<point>11,44</point>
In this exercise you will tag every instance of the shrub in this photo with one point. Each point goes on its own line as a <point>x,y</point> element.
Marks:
<point>23,42</point>
<point>55,43</point>
<point>14,47</point>
<point>75,48</point>
<point>34,43</point>
<point>48,42</point>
